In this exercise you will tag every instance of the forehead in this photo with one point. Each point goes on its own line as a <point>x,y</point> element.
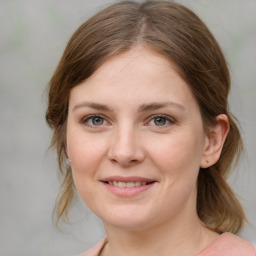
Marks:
<point>139,59</point>
<point>138,76</point>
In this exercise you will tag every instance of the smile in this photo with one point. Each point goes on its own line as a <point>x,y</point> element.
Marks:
<point>129,184</point>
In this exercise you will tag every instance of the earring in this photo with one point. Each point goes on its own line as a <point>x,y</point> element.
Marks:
<point>68,164</point>
<point>208,164</point>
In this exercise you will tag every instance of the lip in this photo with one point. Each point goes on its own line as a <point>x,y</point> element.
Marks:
<point>128,191</point>
<point>127,179</point>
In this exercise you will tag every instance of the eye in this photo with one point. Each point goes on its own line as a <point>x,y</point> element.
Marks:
<point>160,120</point>
<point>94,120</point>
<point>97,120</point>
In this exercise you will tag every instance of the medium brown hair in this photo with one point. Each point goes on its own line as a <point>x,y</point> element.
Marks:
<point>177,33</point>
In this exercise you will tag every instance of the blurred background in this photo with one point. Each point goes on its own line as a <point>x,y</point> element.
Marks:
<point>33,35</point>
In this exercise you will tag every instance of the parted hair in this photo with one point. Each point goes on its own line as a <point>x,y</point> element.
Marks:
<point>177,33</point>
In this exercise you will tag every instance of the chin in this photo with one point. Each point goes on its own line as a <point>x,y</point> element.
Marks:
<point>128,219</point>
<point>128,224</point>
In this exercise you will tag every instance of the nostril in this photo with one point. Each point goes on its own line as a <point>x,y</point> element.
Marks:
<point>125,154</point>
<point>124,162</point>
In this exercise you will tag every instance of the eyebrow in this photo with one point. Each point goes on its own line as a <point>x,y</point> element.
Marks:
<point>156,105</point>
<point>93,105</point>
<point>142,108</point>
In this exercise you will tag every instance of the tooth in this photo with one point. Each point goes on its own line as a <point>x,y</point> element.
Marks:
<point>137,183</point>
<point>121,184</point>
<point>130,184</point>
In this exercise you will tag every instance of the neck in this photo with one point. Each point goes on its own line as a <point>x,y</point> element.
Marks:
<point>171,238</point>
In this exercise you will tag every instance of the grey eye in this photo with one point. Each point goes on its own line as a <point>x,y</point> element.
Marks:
<point>159,121</point>
<point>97,120</point>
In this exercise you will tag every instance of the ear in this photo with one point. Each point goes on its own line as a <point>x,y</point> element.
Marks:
<point>214,142</point>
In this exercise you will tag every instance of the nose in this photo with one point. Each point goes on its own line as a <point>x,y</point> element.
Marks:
<point>126,148</point>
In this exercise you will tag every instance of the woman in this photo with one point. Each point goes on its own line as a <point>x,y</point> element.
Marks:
<point>138,105</point>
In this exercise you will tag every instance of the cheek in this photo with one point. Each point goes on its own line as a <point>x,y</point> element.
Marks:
<point>81,146</point>
<point>85,160</point>
<point>85,152</point>
<point>178,162</point>
<point>178,151</point>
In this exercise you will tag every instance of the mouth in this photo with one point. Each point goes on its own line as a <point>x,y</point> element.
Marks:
<point>130,184</point>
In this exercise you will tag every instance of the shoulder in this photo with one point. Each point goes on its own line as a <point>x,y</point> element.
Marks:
<point>228,244</point>
<point>95,250</point>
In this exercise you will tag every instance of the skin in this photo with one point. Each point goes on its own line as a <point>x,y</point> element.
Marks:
<point>147,124</point>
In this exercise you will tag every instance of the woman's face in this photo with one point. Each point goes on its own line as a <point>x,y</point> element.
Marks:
<point>136,141</point>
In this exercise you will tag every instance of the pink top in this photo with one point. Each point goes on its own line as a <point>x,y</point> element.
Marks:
<point>226,244</point>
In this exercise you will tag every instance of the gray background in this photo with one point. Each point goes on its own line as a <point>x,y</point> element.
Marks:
<point>33,35</point>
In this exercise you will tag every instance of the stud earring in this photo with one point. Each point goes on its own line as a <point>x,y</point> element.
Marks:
<point>208,164</point>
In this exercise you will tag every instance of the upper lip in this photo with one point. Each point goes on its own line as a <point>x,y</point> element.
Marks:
<point>127,179</point>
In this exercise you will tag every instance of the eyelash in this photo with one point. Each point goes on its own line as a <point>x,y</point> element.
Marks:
<point>85,120</point>
<point>166,118</point>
